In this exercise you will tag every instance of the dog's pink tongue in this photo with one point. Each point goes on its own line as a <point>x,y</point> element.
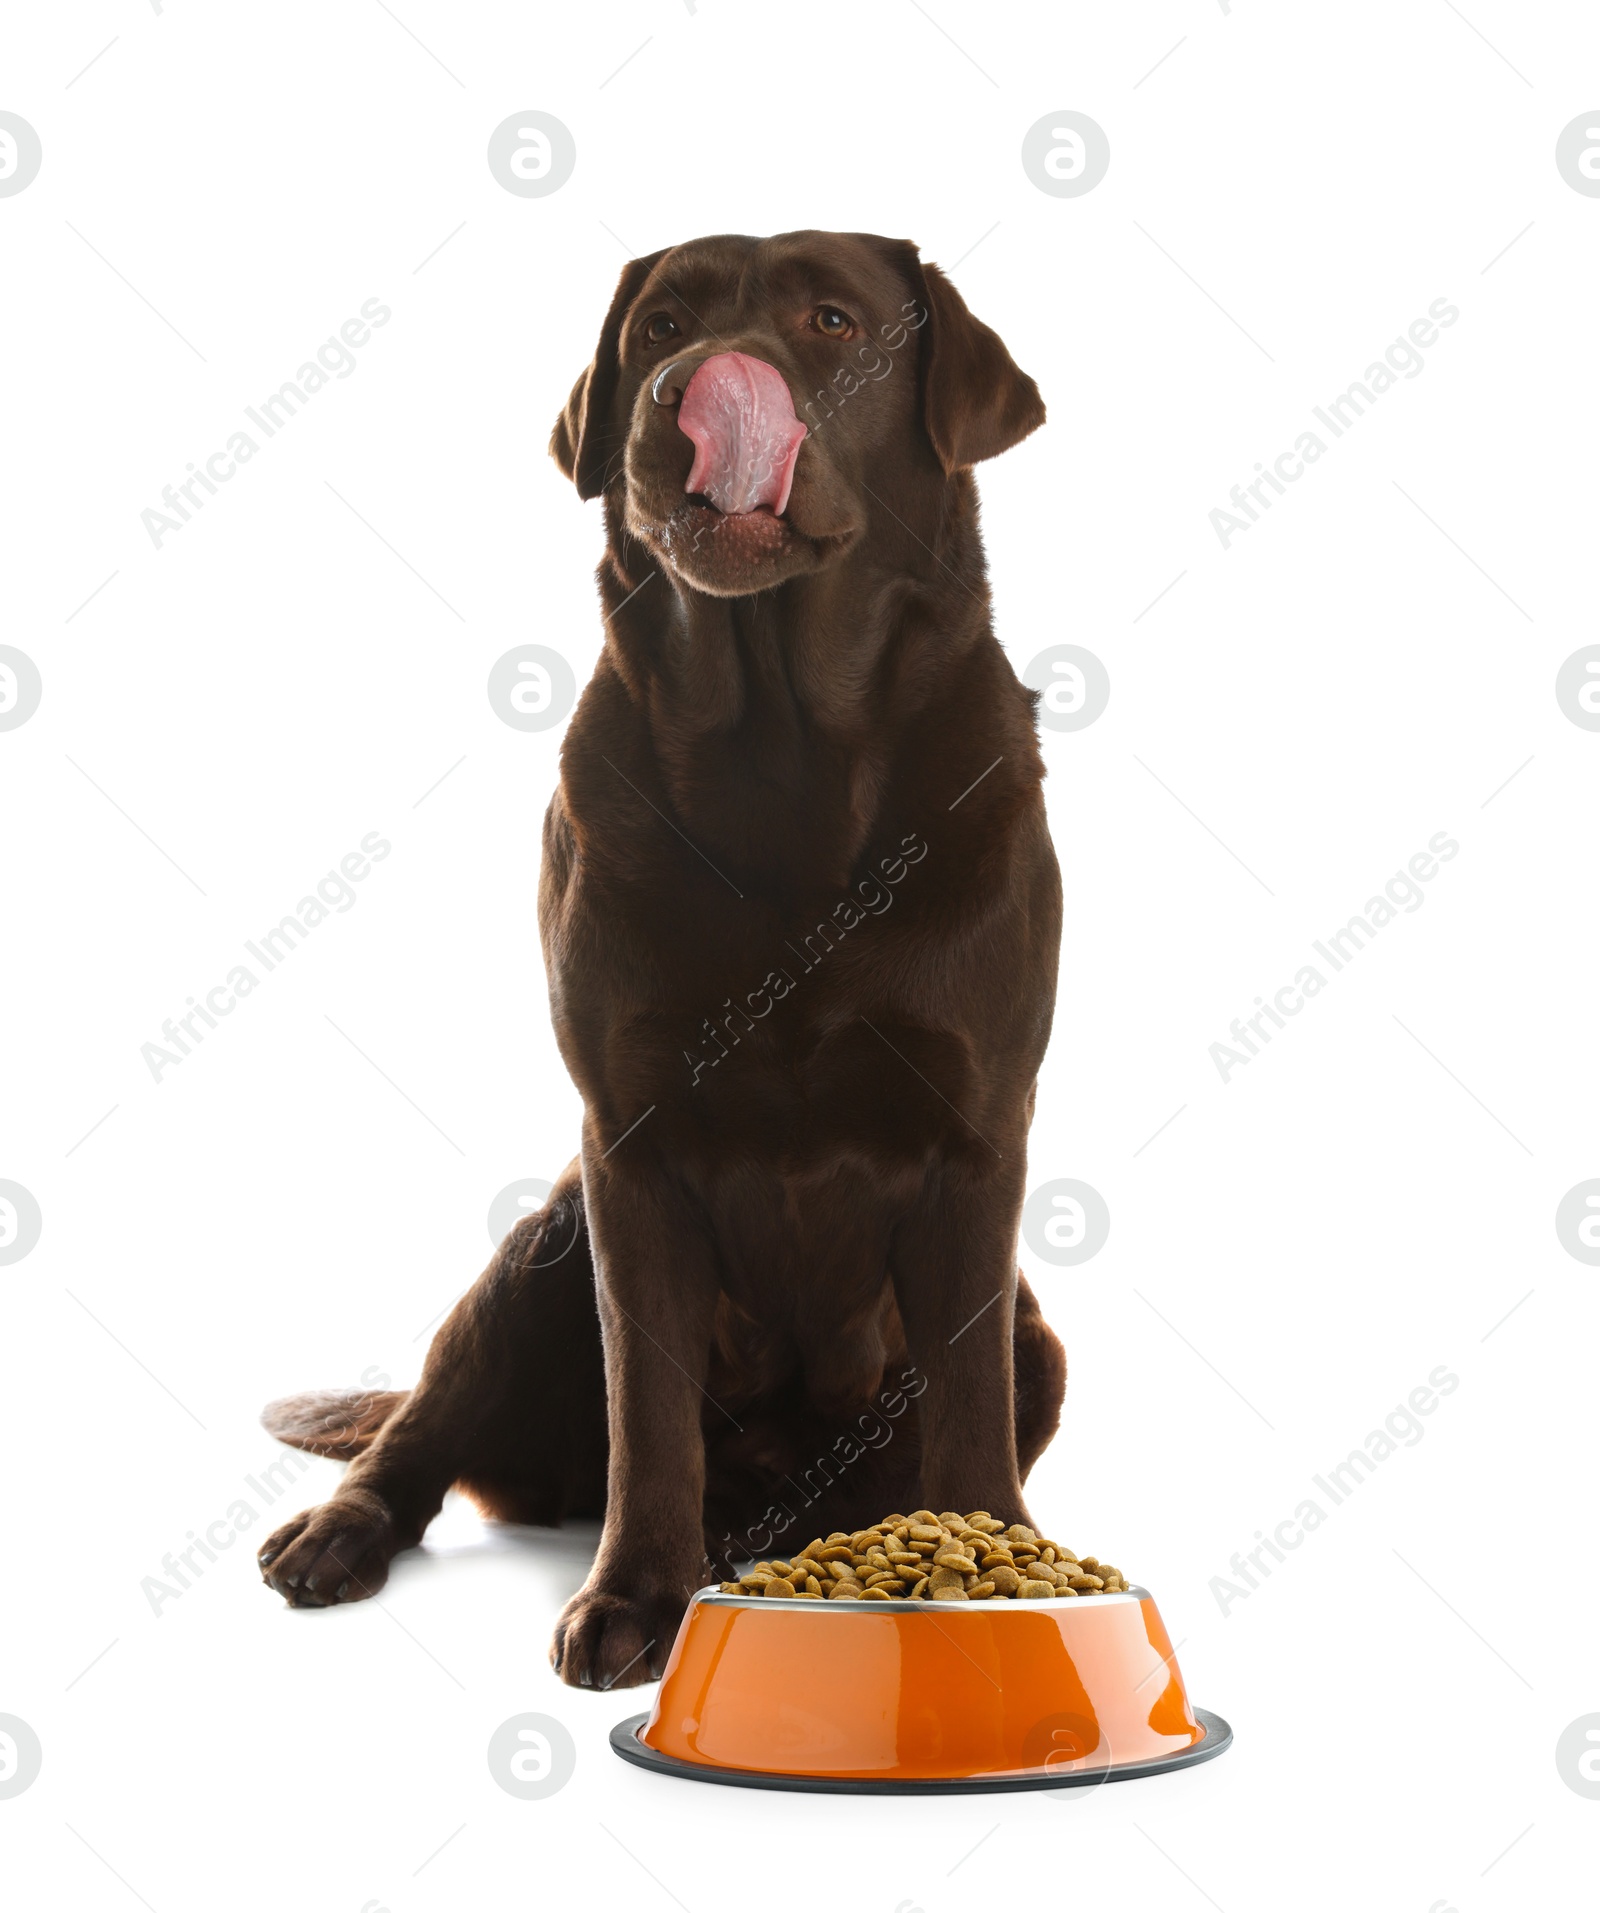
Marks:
<point>746,437</point>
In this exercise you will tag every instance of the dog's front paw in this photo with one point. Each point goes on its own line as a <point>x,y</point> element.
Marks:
<point>615,1640</point>
<point>339,1552</point>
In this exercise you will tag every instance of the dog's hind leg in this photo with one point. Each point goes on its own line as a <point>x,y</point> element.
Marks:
<point>511,1407</point>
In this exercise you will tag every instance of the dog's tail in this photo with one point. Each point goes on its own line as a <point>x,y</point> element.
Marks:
<point>341,1422</point>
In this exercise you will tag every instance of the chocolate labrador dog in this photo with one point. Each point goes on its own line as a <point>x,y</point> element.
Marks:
<point>800,916</point>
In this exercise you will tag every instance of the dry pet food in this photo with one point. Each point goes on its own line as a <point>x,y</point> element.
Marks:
<point>932,1557</point>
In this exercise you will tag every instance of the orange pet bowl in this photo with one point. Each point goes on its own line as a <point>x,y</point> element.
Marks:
<point>916,1697</point>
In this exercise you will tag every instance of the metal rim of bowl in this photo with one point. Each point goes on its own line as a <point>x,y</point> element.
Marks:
<point>625,1742</point>
<point>714,1597</point>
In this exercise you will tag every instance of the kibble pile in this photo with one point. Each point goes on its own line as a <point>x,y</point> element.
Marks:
<point>932,1557</point>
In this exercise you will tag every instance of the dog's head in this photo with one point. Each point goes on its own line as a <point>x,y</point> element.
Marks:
<point>751,399</point>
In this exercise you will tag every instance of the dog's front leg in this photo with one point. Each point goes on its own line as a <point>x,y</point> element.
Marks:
<point>955,1278</point>
<point>656,1286</point>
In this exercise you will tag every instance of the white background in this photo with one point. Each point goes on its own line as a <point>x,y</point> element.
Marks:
<point>1288,1259</point>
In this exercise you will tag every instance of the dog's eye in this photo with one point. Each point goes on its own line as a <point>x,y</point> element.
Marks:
<point>660,328</point>
<point>832,323</point>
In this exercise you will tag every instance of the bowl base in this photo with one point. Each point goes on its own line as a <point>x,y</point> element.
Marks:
<point>626,1742</point>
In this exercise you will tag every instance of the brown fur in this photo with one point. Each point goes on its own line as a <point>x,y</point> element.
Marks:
<point>800,916</point>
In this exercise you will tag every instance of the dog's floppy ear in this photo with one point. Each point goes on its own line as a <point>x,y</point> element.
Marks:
<point>578,443</point>
<point>976,400</point>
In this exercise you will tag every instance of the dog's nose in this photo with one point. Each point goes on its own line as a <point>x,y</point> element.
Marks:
<point>672,381</point>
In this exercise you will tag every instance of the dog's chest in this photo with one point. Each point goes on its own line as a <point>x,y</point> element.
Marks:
<point>836,1020</point>
<point>795,1078</point>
